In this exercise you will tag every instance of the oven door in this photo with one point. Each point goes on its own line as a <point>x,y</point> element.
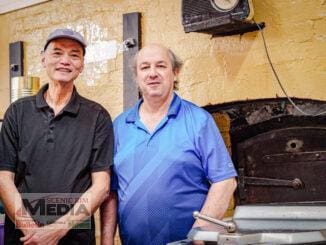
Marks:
<point>282,166</point>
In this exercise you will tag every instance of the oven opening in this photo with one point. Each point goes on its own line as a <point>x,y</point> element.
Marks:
<point>280,156</point>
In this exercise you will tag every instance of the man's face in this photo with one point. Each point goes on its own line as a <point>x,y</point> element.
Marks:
<point>155,76</point>
<point>63,60</point>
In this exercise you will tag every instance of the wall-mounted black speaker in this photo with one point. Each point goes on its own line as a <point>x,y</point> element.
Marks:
<point>218,17</point>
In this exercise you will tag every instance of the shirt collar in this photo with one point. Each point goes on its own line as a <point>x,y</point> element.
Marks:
<point>40,101</point>
<point>174,108</point>
<point>72,106</point>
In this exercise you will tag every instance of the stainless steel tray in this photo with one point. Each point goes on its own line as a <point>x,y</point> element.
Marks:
<point>225,238</point>
<point>267,224</point>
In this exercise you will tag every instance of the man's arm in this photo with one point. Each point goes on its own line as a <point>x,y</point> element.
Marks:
<point>95,195</point>
<point>11,198</point>
<point>109,219</point>
<point>217,200</point>
<point>13,204</point>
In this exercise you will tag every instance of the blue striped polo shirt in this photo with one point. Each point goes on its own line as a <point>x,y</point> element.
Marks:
<point>163,176</point>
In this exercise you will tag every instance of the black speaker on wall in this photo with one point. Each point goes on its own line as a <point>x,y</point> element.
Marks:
<point>219,17</point>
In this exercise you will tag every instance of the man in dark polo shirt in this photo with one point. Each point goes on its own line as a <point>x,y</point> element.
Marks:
<point>59,144</point>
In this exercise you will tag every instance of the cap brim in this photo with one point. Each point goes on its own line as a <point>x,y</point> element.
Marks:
<point>67,37</point>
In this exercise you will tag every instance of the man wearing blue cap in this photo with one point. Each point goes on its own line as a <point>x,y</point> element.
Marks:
<point>55,152</point>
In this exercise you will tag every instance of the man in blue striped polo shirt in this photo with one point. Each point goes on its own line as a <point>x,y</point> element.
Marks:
<point>170,160</point>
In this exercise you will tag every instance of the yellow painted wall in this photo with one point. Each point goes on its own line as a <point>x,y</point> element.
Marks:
<point>216,70</point>
<point>4,65</point>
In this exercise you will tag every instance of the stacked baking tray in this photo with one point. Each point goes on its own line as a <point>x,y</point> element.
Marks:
<point>267,224</point>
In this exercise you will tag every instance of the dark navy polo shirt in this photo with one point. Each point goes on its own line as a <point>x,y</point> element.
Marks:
<point>55,154</point>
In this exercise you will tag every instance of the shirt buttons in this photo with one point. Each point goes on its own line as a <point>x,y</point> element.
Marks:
<point>50,140</point>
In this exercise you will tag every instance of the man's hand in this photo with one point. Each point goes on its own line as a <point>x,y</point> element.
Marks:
<point>198,243</point>
<point>47,235</point>
<point>28,232</point>
<point>217,200</point>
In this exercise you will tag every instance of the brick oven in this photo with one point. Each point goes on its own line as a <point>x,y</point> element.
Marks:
<point>280,156</point>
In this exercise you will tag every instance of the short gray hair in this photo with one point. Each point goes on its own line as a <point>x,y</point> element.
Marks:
<point>175,61</point>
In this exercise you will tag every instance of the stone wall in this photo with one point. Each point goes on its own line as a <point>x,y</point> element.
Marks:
<point>216,70</point>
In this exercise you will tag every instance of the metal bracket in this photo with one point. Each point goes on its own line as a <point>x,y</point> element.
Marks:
<point>14,67</point>
<point>16,58</point>
<point>129,42</point>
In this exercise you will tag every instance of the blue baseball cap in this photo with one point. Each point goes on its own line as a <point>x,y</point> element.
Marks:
<point>66,33</point>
